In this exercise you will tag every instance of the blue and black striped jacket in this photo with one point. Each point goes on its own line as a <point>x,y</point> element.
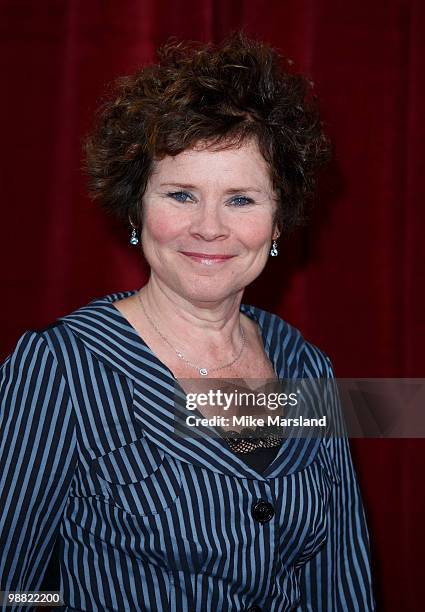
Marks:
<point>153,522</point>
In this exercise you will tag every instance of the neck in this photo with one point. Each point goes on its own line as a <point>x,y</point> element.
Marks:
<point>206,325</point>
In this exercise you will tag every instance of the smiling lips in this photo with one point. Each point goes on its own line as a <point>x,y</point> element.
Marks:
<point>207,258</point>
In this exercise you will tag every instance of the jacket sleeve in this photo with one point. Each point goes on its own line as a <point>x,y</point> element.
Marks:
<point>38,457</point>
<point>338,578</point>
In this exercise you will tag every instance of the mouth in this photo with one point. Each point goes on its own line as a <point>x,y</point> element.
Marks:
<point>207,259</point>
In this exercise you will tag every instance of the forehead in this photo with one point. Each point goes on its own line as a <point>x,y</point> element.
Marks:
<point>204,163</point>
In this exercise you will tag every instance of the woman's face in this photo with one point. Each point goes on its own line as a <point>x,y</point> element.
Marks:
<point>208,221</point>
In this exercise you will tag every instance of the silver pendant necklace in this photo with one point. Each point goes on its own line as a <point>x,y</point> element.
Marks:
<point>201,371</point>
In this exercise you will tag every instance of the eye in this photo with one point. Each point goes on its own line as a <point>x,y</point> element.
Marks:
<point>241,201</point>
<point>180,196</point>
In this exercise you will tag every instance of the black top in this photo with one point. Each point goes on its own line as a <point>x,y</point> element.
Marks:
<point>259,458</point>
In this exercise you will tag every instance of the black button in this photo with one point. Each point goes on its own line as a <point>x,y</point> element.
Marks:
<point>262,511</point>
<point>254,608</point>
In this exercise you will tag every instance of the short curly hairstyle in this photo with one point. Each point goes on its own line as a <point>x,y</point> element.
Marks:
<point>215,94</point>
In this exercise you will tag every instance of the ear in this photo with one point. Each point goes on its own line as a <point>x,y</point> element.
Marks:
<point>276,231</point>
<point>136,224</point>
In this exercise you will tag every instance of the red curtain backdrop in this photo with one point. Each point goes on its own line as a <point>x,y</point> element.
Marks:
<point>352,282</point>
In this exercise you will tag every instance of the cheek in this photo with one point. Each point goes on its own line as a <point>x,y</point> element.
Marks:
<point>255,234</point>
<point>160,227</point>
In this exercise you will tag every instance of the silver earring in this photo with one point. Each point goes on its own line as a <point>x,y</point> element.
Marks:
<point>133,238</point>
<point>273,250</point>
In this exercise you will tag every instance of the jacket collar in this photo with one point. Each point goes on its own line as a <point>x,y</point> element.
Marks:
<point>159,401</point>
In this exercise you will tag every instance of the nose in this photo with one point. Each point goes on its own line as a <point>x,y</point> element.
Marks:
<point>208,222</point>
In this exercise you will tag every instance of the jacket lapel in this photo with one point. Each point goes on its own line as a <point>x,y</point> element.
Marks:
<point>159,400</point>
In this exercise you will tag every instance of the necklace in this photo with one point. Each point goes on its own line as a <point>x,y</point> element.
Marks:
<point>202,371</point>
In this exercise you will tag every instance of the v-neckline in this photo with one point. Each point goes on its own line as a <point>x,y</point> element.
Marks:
<point>244,308</point>
<point>109,335</point>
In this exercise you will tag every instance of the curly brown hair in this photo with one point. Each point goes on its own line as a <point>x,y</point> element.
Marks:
<point>219,94</point>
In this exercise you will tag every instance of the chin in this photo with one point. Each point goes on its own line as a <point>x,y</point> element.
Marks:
<point>203,293</point>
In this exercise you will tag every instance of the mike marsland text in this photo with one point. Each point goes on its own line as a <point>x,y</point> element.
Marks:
<point>250,421</point>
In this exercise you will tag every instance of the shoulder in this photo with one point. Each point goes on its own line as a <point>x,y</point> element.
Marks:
<point>34,343</point>
<point>312,360</point>
<point>87,319</point>
<point>30,370</point>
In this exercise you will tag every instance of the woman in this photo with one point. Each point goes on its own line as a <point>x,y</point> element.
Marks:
<point>210,155</point>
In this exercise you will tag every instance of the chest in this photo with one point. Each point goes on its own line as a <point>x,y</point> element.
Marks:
<point>255,366</point>
<point>182,514</point>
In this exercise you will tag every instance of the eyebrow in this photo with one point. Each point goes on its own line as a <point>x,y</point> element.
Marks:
<point>229,191</point>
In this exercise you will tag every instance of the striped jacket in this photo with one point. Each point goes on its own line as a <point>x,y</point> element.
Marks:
<point>153,522</point>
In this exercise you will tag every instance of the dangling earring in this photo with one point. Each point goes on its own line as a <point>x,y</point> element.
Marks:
<point>134,240</point>
<point>273,250</point>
